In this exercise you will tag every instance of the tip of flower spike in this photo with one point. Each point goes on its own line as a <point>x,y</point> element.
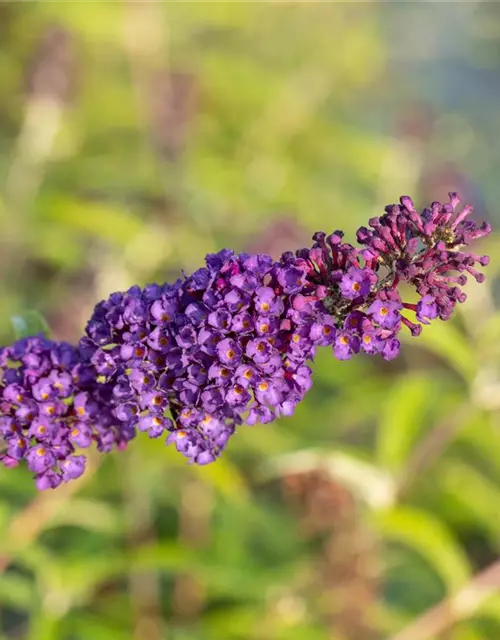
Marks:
<point>486,228</point>
<point>454,199</point>
<point>319,237</point>
<point>335,238</point>
<point>407,202</point>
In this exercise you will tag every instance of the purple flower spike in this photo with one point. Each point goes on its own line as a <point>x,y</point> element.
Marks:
<point>230,343</point>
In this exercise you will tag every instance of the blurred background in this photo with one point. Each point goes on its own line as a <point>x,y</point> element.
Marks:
<point>134,138</point>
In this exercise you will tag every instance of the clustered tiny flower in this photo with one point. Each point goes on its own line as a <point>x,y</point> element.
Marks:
<point>425,250</point>
<point>195,359</point>
<point>361,285</point>
<point>191,361</point>
<point>50,408</point>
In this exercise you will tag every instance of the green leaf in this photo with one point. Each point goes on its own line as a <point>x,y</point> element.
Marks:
<point>165,556</point>
<point>225,478</point>
<point>83,626</point>
<point>105,221</point>
<point>446,341</point>
<point>489,606</point>
<point>92,515</point>
<point>472,493</point>
<point>402,416</point>
<point>481,437</point>
<point>31,323</point>
<point>16,591</point>
<point>429,537</point>
<point>466,633</point>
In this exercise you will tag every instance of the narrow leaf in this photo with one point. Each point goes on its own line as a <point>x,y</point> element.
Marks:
<point>428,536</point>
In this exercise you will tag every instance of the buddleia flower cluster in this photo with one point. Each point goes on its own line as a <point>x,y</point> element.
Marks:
<point>199,357</point>
<point>191,361</point>
<point>51,408</point>
<point>362,285</point>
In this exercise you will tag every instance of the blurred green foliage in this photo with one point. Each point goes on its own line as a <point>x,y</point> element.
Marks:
<point>136,137</point>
